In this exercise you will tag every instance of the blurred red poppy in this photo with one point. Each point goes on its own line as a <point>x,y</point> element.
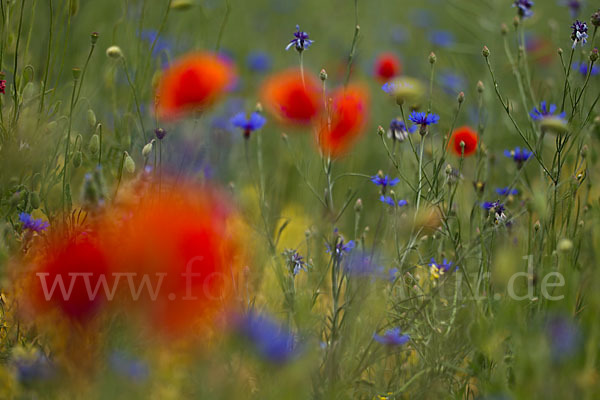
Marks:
<point>348,114</point>
<point>293,101</point>
<point>193,83</point>
<point>464,135</point>
<point>387,66</point>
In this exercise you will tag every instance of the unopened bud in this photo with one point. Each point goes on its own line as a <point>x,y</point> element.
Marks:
<point>94,145</point>
<point>148,148</point>
<point>485,52</point>
<point>323,75</point>
<point>76,73</point>
<point>91,117</point>
<point>114,52</point>
<point>358,206</point>
<point>596,18</point>
<point>516,22</point>
<point>77,159</point>
<point>584,151</point>
<point>480,87</point>
<point>34,200</point>
<point>94,37</point>
<point>380,130</point>
<point>461,97</point>
<point>560,51</point>
<point>432,58</point>
<point>504,29</point>
<point>160,133</point>
<point>129,164</point>
<point>594,55</point>
<point>565,245</point>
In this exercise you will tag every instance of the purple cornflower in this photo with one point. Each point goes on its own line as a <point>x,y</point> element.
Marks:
<point>248,125</point>
<point>579,34</point>
<point>341,246</point>
<point>295,261</point>
<point>524,7</point>
<point>258,61</point>
<point>442,38</point>
<point>423,119</point>
<point>518,155</point>
<point>392,338</point>
<point>34,366</point>
<point>506,191</point>
<point>390,201</point>
<point>300,41</point>
<point>497,208</point>
<point>272,341</point>
<point>544,111</point>
<point>582,68</point>
<point>563,335</point>
<point>361,265</point>
<point>128,367</point>
<point>398,130</point>
<point>32,224</point>
<point>444,266</point>
<point>384,181</point>
<point>160,133</point>
<point>574,6</point>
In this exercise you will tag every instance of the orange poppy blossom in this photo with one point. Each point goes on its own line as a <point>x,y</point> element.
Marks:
<point>292,100</point>
<point>348,115</point>
<point>193,83</point>
<point>468,137</point>
<point>387,66</point>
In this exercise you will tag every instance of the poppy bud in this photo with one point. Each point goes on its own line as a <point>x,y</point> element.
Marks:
<point>129,164</point>
<point>114,52</point>
<point>94,145</point>
<point>91,117</point>
<point>77,159</point>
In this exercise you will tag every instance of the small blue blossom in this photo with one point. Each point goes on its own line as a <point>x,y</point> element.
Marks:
<point>574,6</point>
<point>495,206</point>
<point>390,201</point>
<point>34,366</point>
<point>272,341</point>
<point>128,367</point>
<point>384,181</point>
<point>423,119</point>
<point>444,266</point>
<point>398,130</point>
<point>32,224</point>
<point>392,338</point>
<point>441,38</point>
<point>393,87</point>
<point>524,7</point>
<point>451,82</point>
<point>393,274</point>
<point>248,125</point>
<point>544,111</point>
<point>564,337</point>
<point>161,46</point>
<point>582,68</point>
<point>341,246</point>
<point>579,34</point>
<point>361,265</point>
<point>295,261</point>
<point>518,155</point>
<point>506,191</point>
<point>258,61</point>
<point>300,41</point>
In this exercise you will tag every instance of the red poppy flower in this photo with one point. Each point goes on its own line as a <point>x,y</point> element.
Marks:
<point>293,101</point>
<point>348,114</point>
<point>464,135</point>
<point>193,83</point>
<point>187,242</point>
<point>387,66</point>
<point>64,274</point>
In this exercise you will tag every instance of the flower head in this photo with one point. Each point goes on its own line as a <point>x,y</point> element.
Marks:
<point>390,201</point>
<point>392,338</point>
<point>32,224</point>
<point>300,41</point>
<point>341,247</point>
<point>270,340</point>
<point>293,101</point>
<point>582,68</point>
<point>524,8</point>
<point>387,66</point>
<point>518,155</point>
<point>129,367</point>
<point>544,111</point>
<point>32,365</point>
<point>160,133</point>
<point>398,130</point>
<point>193,83</point>
<point>596,18</point>
<point>384,181</point>
<point>442,38</point>
<point>349,113</point>
<point>574,6</point>
<point>438,269</point>
<point>497,209</point>
<point>248,124</point>
<point>423,119</point>
<point>2,86</point>
<point>258,61</point>
<point>295,261</point>
<point>579,34</point>
<point>463,141</point>
<point>507,191</point>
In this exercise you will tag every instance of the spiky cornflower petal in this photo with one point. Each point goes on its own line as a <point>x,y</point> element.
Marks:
<point>384,181</point>
<point>524,8</point>
<point>398,130</point>
<point>248,124</point>
<point>423,119</point>
<point>579,34</point>
<point>545,111</point>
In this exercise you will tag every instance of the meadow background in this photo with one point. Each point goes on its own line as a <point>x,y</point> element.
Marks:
<point>322,327</point>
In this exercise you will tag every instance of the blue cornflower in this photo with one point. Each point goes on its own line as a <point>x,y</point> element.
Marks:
<point>442,38</point>
<point>495,206</point>
<point>394,87</point>
<point>444,266</point>
<point>544,111</point>
<point>393,274</point>
<point>300,41</point>
<point>579,34</point>
<point>258,61</point>
<point>128,367</point>
<point>506,191</point>
<point>392,338</point>
<point>361,265</point>
<point>384,181</point>
<point>32,224</point>
<point>582,68</point>
<point>398,130</point>
<point>295,261</point>
<point>341,246</point>
<point>271,340</point>
<point>390,201</point>
<point>574,6</point>
<point>423,119</point>
<point>563,335</point>
<point>452,83</point>
<point>32,366</point>
<point>518,155</point>
<point>161,45</point>
<point>248,125</point>
<point>524,7</point>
